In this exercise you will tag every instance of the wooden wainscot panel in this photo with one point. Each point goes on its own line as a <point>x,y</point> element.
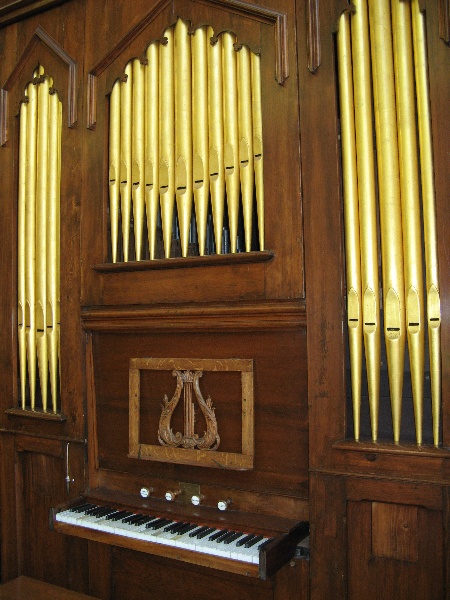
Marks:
<point>395,531</point>
<point>41,471</point>
<point>13,10</point>
<point>394,551</point>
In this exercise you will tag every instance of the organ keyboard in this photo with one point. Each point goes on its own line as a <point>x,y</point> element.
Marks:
<point>225,545</point>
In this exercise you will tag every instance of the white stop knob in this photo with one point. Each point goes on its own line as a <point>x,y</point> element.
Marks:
<point>223,504</point>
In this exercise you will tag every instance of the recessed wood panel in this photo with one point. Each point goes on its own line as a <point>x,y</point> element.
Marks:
<point>381,552</point>
<point>395,531</point>
<point>280,412</point>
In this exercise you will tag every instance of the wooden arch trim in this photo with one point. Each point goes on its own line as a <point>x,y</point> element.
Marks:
<point>39,36</point>
<point>260,13</point>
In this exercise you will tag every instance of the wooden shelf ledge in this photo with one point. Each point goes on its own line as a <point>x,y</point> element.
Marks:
<point>212,260</point>
<point>383,447</point>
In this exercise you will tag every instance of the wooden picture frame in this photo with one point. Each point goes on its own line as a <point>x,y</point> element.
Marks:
<point>193,456</point>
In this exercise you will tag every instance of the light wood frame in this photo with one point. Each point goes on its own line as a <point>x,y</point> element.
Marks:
<point>206,458</point>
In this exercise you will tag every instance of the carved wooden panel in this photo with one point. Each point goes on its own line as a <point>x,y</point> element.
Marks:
<point>190,448</point>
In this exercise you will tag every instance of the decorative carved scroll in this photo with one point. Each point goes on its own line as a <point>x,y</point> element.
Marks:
<point>189,448</point>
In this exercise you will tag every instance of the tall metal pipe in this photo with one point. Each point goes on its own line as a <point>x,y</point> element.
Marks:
<point>351,215</point>
<point>367,205</point>
<point>429,212</point>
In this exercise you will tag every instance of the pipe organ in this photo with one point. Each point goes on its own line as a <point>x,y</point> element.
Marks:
<point>185,149</point>
<point>389,73</point>
<point>238,212</point>
<point>38,245</point>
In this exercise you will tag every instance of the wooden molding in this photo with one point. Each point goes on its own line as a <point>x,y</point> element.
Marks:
<point>313,41</point>
<point>11,11</point>
<point>39,36</point>
<point>211,260</point>
<point>342,6</point>
<point>36,414</point>
<point>444,20</point>
<point>263,317</point>
<point>260,13</point>
<point>116,51</point>
<point>265,15</point>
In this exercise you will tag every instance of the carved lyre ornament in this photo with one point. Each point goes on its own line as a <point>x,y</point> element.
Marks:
<point>187,382</point>
<point>188,447</point>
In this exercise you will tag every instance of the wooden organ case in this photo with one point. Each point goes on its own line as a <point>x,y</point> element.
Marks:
<point>177,271</point>
<point>182,393</point>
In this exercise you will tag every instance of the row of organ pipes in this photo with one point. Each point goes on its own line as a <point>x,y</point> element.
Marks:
<point>383,79</point>
<point>38,280</point>
<point>185,138</point>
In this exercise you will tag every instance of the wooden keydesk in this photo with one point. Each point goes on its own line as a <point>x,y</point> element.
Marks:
<point>25,588</point>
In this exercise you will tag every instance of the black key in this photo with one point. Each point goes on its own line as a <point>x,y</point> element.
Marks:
<point>144,519</point>
<point>252,542</point>
<point>119,515</point>
<point>235,535</point>
<point>198,531</point>
<point>207,531</point>
<point>82,508</point>
<point>94,511</point>
<point>266,542</point>
<point>186,528</point>
<point>214,536</point>
<point>224,536</point>
<point>133,517</point>
<point>174,527</point>
<point>158,523</point>
<point>245,540</point>
<point>103,513</point>
<point>110,514</point>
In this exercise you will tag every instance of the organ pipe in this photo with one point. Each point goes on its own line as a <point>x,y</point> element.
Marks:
<point>38,285</point>
<point>188,120</point>
<point>367,205</point>
<point>429,212</point>
<point>388,69</point>
<point>352,242</point>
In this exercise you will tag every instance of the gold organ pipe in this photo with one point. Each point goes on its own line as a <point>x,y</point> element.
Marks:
<point>429,212</point>
<point>114,167</point>
<point>30,237</point>
<point>390,208</point>
<point>231,135</point>
<point>411,218</point>
<point>184,126</point>
<point>152,144</point>
<point>53,244</point>
<point>258,143</point>
<point>41,235</point>
<point>200,132</point>
<point>367,205</point>
<point>351,214</point>
<point>246,169</point>
<point>167,138</point>
<point>21,235</point>
<point>183,132</point>
<point>126,99</point>
<point>216,137</point>
<point>138,141</point>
